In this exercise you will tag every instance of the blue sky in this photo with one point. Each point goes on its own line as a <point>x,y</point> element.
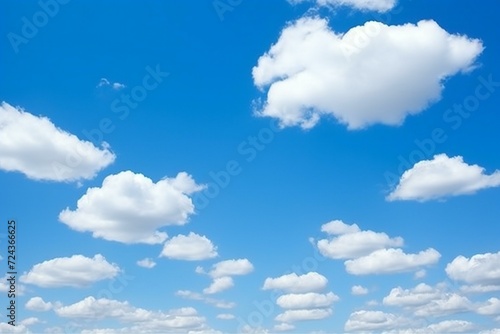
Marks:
<point>251,167</point>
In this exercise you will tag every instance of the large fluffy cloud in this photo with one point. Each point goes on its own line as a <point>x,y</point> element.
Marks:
<point>74,271</point>
<point>34,146</point>
<point>364,5</point>
<point>294,283</point>
<point>441,177</point>
<point>191,247</point>
<point>371,74</point>
<point>130,207</point>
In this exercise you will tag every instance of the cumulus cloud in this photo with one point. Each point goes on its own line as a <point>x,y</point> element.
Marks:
<point>38,304</point>
<point>219,284</point>
<point>451,326</point>
<point>75,271</point>
<point>359,290</point>
<point>482,269</point>
<point>225,316</point>
<point>420,295</point>
<point>36,147</point>
<point>231,268</point>
<point>141,320</point>
<point>191,247</point>
<point>395,71</point>
<point>490,307</point>
<point>388,261</point>
<point>442,177</point>
<point>302,315</point>
<point>187,294</point>
<point>130,208</point>
<point>222,271</point>
<point>350,242</point>
<point>306,300</point>
<point>363,5</point>
<point>449,303</point>
<point>373,320</point>
<point>294,283</point>
<point>146,263</point>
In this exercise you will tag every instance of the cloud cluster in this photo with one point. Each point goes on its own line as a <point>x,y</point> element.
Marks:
<point>36,147</point>
<point>222,272</point>
<point>369,252</point>
<point>374,73</point>
<point>302,299</point>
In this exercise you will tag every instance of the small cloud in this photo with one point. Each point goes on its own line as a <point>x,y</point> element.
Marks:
<point>420,274</point>
<point>358,290</point>
<point>192,247</point>
<point>103,82</point>
<point>225,316</point>
<point>146,263</point>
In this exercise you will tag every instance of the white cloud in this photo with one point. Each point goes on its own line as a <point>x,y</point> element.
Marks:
<point>447,303</point>
<point>308,300</point>
<point>490,307</point>
<point>303,315</point>
<point>478,288</point>
<point>38,304</point>
<point>388,261</point>
<point>350,242</point>
<point>420,274</point>
<point>359,290</point>
<point>222,271</point>
<point>283,327</point>
<point>483,269</point>
<point>103,82</point>
<point>141,320</point>
<point>5,285</point>
<point>451,326</point>
<point>313,71</point>
<point>294,283</point>
<point>34,146</point>
<point>75,271</point>
<point>364,5</point>
<point>426,301</point>
<point>442,177</point>
<point>146,263</point>
<point>219,284</point>
<point>230,268</point>
<point>211,301</point>
<point>190,247</point>
<point>7,328</point>
<point>420,295</point>
<point>225,316</point>
<point>491,331</point>
<point>130,207</point>
<point>373,320</point>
